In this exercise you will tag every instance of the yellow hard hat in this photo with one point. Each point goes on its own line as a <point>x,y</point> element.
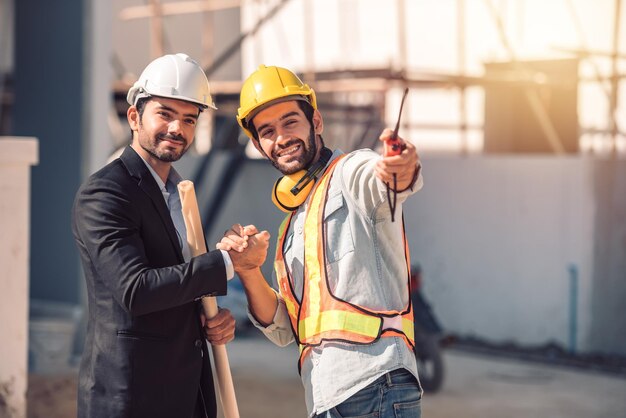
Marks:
<point>268,85</point>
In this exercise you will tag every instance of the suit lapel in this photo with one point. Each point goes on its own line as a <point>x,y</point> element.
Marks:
<point>138,170</point>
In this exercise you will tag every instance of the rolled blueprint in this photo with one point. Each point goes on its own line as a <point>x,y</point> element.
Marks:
<point>195,239</point>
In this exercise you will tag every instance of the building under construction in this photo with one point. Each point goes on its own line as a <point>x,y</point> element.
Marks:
<point>514,106</point>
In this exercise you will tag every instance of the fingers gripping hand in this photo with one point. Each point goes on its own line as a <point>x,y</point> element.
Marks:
<point>220,329</point>
<point>250,230</point>
<point>255,253</point>
<point>235,238</point>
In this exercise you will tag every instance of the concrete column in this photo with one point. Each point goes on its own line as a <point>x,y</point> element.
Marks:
<point>16,158</point>
<point>50,96</point>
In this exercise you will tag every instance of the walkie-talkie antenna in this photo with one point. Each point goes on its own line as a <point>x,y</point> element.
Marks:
<point>394,147</point>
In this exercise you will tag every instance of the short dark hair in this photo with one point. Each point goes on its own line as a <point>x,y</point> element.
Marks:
<point>306,108</point>
<point>141,105</point>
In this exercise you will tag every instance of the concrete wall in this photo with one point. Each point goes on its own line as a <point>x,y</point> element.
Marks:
<point>497,237</point>
<point>16,159</point>
<point>608,292</point>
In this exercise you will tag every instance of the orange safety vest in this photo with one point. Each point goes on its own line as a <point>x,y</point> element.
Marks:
<point>322,316</point>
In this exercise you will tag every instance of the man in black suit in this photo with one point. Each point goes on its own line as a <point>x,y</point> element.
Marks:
<point>144,354</point>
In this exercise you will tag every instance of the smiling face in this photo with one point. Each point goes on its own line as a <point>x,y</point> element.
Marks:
<point>286,137</point>
<point>165,130</point>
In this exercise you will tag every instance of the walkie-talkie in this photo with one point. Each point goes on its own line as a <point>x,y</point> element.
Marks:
<point>393,146</point>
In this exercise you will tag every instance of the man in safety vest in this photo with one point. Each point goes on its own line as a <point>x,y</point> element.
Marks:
<point>342,263</point>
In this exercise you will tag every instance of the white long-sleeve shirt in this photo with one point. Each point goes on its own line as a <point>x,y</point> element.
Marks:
<point>366,266</point>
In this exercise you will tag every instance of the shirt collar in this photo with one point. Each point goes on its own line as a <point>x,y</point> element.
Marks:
<point>336,153</point>
<point>173,178</point>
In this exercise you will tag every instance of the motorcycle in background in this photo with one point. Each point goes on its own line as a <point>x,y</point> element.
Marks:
<point>428,335</point>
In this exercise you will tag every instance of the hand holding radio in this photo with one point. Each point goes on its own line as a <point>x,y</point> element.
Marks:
<point>403,164</point>
<point>391,169</point>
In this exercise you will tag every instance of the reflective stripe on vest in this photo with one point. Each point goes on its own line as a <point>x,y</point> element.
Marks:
<point>322,316</point>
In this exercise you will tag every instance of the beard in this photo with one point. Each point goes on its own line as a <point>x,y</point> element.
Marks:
<point>166,155</point>
<point>304,160</point>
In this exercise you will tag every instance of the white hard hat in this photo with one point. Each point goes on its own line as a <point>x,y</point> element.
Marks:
<point>175,76</point>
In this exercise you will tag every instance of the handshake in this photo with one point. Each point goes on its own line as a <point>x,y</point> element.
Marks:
<point>246,246</point>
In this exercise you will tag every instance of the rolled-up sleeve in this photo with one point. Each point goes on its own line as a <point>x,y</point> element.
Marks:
<point>279,331</point>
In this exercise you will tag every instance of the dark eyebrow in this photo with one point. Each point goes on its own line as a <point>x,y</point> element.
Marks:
<point>283,117</point>
<point>170,109</point>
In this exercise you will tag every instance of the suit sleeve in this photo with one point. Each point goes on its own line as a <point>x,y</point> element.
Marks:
<point>108,227</point>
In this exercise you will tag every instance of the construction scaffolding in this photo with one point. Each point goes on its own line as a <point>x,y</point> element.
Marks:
<point>357,100</point>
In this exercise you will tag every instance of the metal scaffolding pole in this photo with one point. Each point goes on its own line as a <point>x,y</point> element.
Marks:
<point>156,29</point>
<point>460,16</point>
<point>615,81</point>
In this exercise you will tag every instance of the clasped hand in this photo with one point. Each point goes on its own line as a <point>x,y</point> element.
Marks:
<point>246,246</point>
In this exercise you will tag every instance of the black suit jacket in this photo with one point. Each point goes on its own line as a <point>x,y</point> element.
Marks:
<point>144,352</point>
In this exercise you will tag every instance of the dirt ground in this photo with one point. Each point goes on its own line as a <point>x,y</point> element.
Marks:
<point>55,397</point>
<point>51,396</point>
<point>263,389</point>
<point>475,386</point>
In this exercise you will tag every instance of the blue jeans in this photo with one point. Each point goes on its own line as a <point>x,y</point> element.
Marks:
<point>394,395</point>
